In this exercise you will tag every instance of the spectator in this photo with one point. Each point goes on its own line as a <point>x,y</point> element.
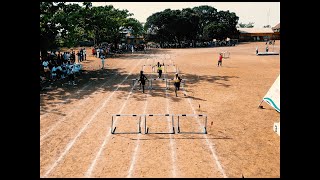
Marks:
<point>85,54</point>
<point>102,60</point>
<point>70,73</point>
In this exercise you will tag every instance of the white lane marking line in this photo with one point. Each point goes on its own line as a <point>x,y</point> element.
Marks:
<point>65,100</point>
<point>106,140</point>
<point>70,144</point>
<point>136,149</point>
<point>215,157</point>
<point>78,91</point>
<point>172,143</point>
<point>84,101</point>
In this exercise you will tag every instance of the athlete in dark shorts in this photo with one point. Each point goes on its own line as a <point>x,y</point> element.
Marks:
<point>177,81</point>
<point>142,80</point>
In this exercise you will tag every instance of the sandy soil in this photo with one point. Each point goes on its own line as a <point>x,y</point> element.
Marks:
<point>75,121</point>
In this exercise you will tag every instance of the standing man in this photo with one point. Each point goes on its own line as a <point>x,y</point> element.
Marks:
<point>98,51</point>
<point>85,54</point>
<point>102,60</point>
<point>220,60</point>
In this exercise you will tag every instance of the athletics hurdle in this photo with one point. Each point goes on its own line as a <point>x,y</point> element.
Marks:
<point>196,115</point>
<point>134,115</point>
<point>146,129</point>
<point>225,54</point>
<point>135,82</point>
<point>173,65</point>
<point>165,67</point>
<point>158,79</point>
<point>152,67</point>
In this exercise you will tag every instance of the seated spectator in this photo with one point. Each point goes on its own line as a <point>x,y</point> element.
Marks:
<point>59,71</point>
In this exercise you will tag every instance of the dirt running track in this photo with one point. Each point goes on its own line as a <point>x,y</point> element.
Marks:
<point>75,121</point>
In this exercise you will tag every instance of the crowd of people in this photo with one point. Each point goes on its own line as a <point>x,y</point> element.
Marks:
<point>56,66</point>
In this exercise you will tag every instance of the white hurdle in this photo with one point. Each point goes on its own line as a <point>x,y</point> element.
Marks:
<point>135,82</point>
<point>134,115</point>
<point>197,115</point>
<point>165,67</point>
<point>158,79</point>
<point>167,81</point>
<point>172,65</point>
<point>146,129</point>
<point>225,54</point>
<point>152,67</point>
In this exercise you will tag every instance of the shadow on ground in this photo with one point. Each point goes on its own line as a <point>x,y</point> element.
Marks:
<point>108,80</point>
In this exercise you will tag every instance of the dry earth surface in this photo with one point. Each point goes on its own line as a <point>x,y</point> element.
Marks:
<point>75,121</point>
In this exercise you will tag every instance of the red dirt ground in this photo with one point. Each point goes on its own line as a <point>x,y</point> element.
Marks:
<point>75,138</point>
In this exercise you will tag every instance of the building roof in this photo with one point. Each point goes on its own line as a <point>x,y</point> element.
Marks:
<point>277,26</point>
<point>255,30</point>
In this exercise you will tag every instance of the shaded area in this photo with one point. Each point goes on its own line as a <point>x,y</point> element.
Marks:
<point>106,80</point>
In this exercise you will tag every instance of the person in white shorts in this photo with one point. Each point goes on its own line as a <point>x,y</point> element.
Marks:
<point>102,60</point>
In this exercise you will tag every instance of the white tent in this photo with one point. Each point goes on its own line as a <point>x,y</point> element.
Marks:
<point>273,99</point>
<point>273,95</point>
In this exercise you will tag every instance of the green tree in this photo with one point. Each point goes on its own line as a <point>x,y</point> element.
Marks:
<point>207,15</point>
<point>191,24</point>
<point>49,27</point>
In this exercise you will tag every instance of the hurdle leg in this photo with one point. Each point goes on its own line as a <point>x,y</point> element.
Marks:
<point>173,126</point>
<point>205,125</point>
<point>112,125</point>
<point>151,85</point>
<point>145,124</point>
<point>178,125</point>
<point>166,83</point>
<point>139,127</point>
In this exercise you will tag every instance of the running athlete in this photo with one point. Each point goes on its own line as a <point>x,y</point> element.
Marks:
<point>142,80</point>
<point>159,70</point>
<point>177,81</point>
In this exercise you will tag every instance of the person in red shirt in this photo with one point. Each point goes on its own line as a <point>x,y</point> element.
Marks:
<point>220,60</point>
<point>93,51</point>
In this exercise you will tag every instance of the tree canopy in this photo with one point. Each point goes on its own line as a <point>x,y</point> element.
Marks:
<point>63,24</point>
<point>202,23</point>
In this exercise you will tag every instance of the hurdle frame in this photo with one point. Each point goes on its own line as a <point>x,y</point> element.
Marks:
<point>173,65</point>
<point>157,79</point>
<point>204,127</point>
<point>165,67</point>
<point>135,82</point>
<point>146,129</point>
<point>152,67</point>
<point>133,115</point>
<point>224,53</point>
